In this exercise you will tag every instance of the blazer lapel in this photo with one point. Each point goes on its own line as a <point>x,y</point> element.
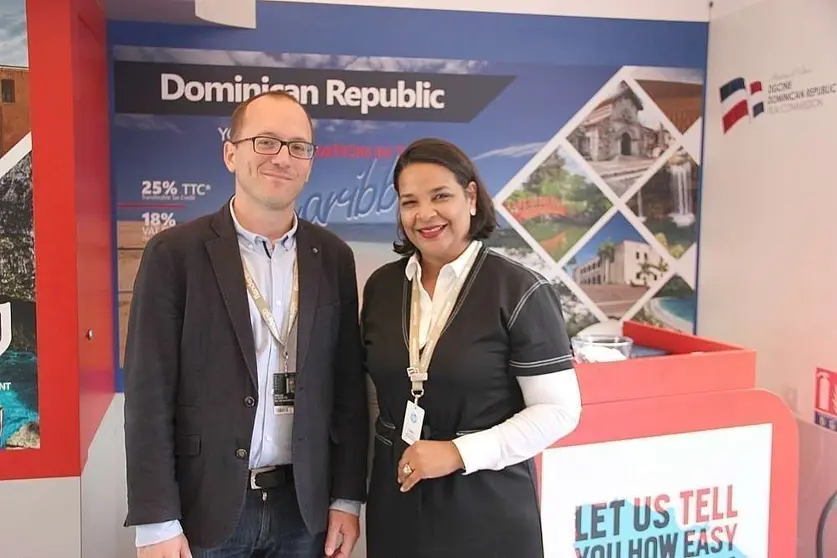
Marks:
<point>310,266</point>
<point>226,262</point>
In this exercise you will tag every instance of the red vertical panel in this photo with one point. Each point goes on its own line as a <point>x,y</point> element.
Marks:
<point>93,227</point>
<point>70,153</point>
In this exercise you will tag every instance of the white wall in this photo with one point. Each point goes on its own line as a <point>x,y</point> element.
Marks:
<point>767,261</point>
<point>103,491</point>
<point>40,518</point>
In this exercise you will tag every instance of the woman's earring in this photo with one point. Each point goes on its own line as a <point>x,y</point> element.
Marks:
<point>473,211</point>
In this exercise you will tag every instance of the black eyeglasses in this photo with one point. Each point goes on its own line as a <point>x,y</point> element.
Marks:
<point>266,145</point>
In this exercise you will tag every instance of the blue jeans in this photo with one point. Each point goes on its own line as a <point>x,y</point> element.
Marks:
<point>270,526</point>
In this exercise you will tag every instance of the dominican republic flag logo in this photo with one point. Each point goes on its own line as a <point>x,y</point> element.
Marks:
<point>739,102</point>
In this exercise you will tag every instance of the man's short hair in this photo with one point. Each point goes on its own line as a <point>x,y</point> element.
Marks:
<point>241,110</point>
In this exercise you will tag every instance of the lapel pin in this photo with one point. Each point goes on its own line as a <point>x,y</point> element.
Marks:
<point>315,250</point>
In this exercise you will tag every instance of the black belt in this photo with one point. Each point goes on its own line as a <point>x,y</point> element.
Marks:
<point>271,478</point>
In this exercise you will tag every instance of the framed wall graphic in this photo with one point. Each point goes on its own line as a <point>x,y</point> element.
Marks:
<point>19,410</point>
<point>592,158</point>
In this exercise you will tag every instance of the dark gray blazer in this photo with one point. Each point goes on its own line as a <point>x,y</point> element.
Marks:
<point>190,380</point>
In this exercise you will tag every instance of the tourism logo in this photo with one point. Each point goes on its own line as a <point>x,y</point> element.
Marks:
<point>782,94</point>
<point>739,102</point>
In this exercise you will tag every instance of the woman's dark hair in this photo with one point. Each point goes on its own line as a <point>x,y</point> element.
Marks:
<point>449,156</point>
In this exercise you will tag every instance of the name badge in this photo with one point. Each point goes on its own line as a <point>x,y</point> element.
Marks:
<point>413,422</point>
<point>284,393</point>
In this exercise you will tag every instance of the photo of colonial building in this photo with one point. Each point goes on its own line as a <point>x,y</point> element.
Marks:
<point>14,106</point>
<point>616,267</point>
<point>621,138</point>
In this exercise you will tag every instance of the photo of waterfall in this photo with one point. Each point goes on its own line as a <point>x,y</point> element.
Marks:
<point>668,203</point>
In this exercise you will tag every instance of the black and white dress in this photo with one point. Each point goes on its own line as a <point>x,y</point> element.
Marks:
<point>506,327</point>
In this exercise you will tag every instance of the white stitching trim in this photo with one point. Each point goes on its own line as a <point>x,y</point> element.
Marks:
<point>539,363</point>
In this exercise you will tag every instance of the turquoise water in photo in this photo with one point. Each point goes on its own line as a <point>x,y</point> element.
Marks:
<point>20,400</point>
<point>683,308</point>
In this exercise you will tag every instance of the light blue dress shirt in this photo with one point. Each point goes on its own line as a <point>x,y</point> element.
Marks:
<point>271,265</point>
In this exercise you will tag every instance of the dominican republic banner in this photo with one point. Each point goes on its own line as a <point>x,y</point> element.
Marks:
<point>592,157</point>
<point>19,409</point>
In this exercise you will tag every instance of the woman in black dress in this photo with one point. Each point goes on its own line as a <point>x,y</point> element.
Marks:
<point>453,474</point>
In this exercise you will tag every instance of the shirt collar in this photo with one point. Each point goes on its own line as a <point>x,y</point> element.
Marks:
<point>287,241</point>
<point>457,266</point>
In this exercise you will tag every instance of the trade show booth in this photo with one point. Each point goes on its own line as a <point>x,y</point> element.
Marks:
<point>678,454</point>
<point>638,163</point>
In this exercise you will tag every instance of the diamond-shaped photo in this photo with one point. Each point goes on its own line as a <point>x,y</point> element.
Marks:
<point>616,267</point>
<point>557,203</point>
<point>668,203</point>
<point>673,307</point>
<point>576,315</point>
<point>677,92</point>
<point>621,138</point>
<point>509,243</point>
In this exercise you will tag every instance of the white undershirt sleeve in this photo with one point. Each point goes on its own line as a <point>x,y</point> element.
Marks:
<point>553,410</point>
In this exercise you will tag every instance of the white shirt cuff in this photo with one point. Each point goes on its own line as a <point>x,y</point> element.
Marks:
<point>157,532</point>
<point>553,410</point>
<point>348,506</point>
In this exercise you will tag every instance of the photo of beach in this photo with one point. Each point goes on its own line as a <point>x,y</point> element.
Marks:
<point>668,203</point>
<point>621,137</point>
<point>673,307</point>
<point>557,204</point>
<point>616,267</point>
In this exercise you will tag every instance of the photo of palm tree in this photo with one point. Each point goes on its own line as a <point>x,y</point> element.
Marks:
<point>557,204</point>
<point>616,267</point>
<point>668,203</point>
<point>673,307</point>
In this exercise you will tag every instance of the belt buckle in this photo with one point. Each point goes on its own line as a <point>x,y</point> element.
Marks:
<point>254,472</point>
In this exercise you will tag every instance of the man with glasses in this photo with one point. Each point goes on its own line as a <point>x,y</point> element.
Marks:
<point>246,421</point>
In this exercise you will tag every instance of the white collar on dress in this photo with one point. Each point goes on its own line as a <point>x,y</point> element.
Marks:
<point>457,266</point>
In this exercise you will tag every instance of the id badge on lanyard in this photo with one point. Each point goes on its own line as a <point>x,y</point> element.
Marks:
<point>420,363</point>
<point>284,381</point>
<point>284,392</point>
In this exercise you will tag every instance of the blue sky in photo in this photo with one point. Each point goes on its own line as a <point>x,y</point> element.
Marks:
<point>13,35</point>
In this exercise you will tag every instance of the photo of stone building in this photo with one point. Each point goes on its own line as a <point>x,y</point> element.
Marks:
<point>14,106</point>
<point>621,138</point>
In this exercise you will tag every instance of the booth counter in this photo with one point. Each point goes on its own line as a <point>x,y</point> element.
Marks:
<point>677,455</point>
